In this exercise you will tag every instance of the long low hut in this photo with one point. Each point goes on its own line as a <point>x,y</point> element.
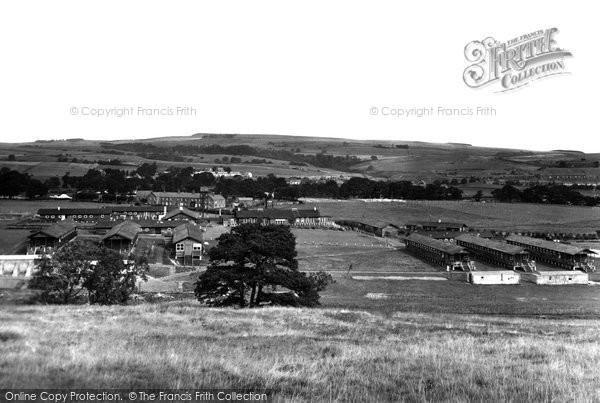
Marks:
<point>442,253</point>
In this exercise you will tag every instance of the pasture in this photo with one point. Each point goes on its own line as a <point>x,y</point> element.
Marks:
<point>501,216</point>
<point>302,354</point>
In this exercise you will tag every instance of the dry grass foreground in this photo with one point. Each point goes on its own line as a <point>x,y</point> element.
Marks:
<point>317,355</point>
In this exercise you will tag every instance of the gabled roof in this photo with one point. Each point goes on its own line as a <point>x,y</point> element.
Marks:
<point>436,244</point>
<point>187,231</point>
<point>215,197</point>
<point>492,244</point>
<point>181,210</point>
<point>143,193</point>
<point>57,230</point>
<point>542,243</point>
<point>127,229</point>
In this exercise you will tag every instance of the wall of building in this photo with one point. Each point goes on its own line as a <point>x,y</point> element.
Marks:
<point>17,266</point>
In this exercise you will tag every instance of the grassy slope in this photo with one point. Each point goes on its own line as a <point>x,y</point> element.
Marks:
<point>302,354</point>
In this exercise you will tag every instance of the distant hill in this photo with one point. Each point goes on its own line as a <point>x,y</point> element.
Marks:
<point>289,156</point>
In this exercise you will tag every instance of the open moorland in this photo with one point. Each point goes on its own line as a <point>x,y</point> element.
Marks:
<point>300,354</point>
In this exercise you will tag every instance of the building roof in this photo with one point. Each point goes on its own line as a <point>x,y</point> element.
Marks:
<point>104,224</point>
<point>436,244</point>
<point>542,243</point>
<point>377,223</point>
<point>124,209</point>
<point>442,234</point>
<point>126,229</point>
<point>143,193</point>
<point>443,224</point>
<point>57,230</point>
<point>181,210</point>
<point>274,214</point>
<point>492,244</point>
<point>185,195</point>
<point>73,211</point>
<point>215,197</point>
<point>187,231</point>
<point>439,234</point>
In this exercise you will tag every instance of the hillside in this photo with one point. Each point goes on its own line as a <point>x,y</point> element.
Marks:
<point>291,156</point>
<point>301,354</point>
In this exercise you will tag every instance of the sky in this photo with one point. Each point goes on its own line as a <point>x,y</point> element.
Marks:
<point>140,69</point>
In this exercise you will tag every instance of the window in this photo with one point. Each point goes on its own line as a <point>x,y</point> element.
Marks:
<point>179,247</point>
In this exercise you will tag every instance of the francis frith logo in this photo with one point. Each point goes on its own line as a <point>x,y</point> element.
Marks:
<point>514,63</point>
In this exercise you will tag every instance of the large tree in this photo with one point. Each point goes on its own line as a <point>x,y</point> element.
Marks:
<point>113,278</point>
<point>61,275</point>
<point>81,270</point>
<point>255,265</point>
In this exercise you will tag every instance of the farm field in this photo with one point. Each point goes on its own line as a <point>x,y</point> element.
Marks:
<point>302,354</point>
<point>501,216</point>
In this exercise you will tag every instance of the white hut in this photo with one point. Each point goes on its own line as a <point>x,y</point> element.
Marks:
<point>494,277</point>
<point>562,277</point>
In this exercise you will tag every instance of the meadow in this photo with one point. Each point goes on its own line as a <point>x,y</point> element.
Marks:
<point>302,354</point>
<point>501,216</point>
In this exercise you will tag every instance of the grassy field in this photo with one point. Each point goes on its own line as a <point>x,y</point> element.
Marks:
<point>302,355</point>
<point>457,296</point>
<point>502,216</point>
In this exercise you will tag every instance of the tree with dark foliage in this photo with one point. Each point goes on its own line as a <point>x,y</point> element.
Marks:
<point>112,280</point>
<point>61,275</point>
<point>256,265</point>
<point>508,193</point>
<point>83,269</point>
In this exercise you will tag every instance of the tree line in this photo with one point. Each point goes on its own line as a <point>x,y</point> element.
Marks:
<point>14,183</point>
<point>550,194</point>
<point>111,184</point>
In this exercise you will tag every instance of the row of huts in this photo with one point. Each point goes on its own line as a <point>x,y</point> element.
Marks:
<point>517,253</point>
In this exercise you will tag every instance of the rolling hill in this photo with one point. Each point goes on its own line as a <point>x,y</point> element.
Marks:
<point>289,156</point>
